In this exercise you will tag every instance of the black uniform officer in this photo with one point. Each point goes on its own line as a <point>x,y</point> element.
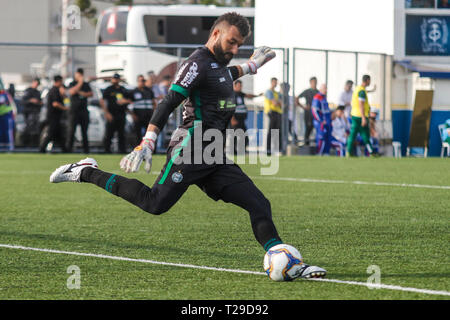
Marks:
<point>55,111</point>
<point>114,104</point>
<point>79,91</point>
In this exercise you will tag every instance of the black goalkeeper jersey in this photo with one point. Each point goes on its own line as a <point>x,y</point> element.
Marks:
<point>208,87</point>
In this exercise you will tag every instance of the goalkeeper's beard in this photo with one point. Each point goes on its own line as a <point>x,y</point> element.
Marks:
<point>220,54</point>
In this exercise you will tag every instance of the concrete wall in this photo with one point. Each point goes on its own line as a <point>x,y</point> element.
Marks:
<point>28,21</point>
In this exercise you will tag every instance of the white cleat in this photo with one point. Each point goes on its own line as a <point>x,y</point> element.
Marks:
<point>308,272</point>
<point>72,171</point>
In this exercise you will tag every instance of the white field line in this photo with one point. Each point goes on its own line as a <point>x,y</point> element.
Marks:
<point>304,180</point>
<point>191,266</point>
<point>374,183</point>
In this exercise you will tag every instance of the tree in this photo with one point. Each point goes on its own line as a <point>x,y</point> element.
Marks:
<point>233,3</point>
<point>87,10</point>
<point>123,2</point>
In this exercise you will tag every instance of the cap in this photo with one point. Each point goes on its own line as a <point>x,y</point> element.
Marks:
<point>116,76</point>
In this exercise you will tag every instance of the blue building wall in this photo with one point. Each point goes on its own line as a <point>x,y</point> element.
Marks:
<point>401,125</point>
<point>259,124</point>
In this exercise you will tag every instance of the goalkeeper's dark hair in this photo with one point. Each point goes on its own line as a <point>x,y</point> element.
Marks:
<point>233,19</point>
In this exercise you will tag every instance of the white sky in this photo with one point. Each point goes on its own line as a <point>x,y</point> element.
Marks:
<point>348,25</point>
<point>354,25</point>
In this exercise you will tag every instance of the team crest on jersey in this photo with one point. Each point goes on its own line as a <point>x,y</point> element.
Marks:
<point>190,75</point>
<point>177,177</point>
<point>214,65</point>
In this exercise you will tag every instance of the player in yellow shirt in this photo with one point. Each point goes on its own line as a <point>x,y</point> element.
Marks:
<point>360,117</point>
<point>272,107</point>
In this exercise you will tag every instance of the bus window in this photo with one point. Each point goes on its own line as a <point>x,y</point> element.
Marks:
<point>113,27</point>
<point>161,27</point>
<point>182,29</point>
<point>155,28</point>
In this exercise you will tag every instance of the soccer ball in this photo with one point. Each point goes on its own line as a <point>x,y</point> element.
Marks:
<point>282,262</point>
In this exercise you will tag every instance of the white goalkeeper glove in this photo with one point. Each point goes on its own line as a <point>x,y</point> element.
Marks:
<point>132,161</point>
<point>259,57</point>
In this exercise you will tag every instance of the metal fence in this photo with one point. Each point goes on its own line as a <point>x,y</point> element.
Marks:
<point>334,68</point>
<point>19,62</point>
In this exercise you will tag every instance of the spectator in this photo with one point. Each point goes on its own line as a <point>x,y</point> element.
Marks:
<point>32,103</point>
<point>164,86</point>
<point>12,90</point>
<point>360,114</point>
<point>162,89</point>
<point>308,94</point>
<point>55,111</point>
<point>6,120</point>
<point>240,115</point>
<point>151,84</point>
<point>446,132</point>
<point>116,98</point>
<point>443,4</point>
<point>142,108</point>
<point>374,139</point>
<point>345,98</point>
<point>272,107</point>
<point>290,105</point>
<point>322,121</point>
<point>340,130</point>
<point>419,3</point>
<point>79,91</point>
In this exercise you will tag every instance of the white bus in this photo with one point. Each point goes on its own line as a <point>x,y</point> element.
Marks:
<point>162,27</point>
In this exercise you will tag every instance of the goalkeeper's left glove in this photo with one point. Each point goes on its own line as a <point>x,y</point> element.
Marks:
<point>132,161</point>
<point>259,57</point>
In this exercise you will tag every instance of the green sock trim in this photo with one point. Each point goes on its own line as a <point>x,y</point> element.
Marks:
<point>109,183</point>
<point>272,242</point>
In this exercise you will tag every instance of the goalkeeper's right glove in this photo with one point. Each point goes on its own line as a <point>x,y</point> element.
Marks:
<point>132,161</point>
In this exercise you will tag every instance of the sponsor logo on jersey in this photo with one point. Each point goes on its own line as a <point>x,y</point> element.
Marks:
<point>180,72</point>
<point>222,79</point>
<point>190,75</point>
<point>214,65</point>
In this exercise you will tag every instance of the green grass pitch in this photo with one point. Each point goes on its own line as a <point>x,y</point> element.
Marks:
<point>343,227</point>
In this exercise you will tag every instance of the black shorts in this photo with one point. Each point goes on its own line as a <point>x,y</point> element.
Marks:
<point>211,178</point>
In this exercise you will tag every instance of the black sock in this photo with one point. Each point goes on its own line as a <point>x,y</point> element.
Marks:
<point>247,196</point>
<point>128,189</point>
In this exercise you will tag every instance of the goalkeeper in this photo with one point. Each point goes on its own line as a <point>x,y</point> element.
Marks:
<point>205,84</point>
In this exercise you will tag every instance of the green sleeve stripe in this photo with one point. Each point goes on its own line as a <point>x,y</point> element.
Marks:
<point>180,90</point>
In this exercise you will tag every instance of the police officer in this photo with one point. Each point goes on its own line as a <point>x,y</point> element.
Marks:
<point>32,106</point>
<point>114,104</point>
<point>55,112</point>
<point>79,91</point>
<point>142,108</point>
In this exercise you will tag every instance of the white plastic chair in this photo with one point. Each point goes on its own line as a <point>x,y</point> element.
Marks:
<point>397,145</point>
